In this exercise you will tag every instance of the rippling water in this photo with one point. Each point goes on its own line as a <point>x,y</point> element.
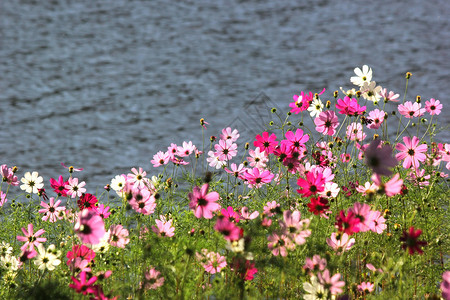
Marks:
<point>104,85</point>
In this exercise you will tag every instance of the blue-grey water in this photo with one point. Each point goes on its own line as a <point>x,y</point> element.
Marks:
<point>104,85</point>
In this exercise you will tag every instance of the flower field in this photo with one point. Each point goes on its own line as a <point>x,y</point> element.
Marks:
<point>355,207</point>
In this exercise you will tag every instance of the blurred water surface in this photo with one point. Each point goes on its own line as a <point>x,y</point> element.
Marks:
<point>104,85</point>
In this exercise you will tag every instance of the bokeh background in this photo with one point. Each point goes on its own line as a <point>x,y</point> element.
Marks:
<point>104,85</point>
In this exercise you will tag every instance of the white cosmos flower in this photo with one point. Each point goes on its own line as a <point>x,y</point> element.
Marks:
<point>364,75</point>
<point>32,182</point>
<point>118,183</point>
<point>314,290</point>
<point>46,259</point>
<point>370,92</point>
<point>315,108</point>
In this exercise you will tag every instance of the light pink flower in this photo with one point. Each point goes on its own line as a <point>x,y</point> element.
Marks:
<point>153,279</point>
<point>332,283</point>
<point>227,134</point>
<point>377,117</point>
<point>341,242</point>
<point>214,262</point>
<point>355,132</point>
<point>75,189</point>
<point>389,97</point>
<point>160,158</point>
<point>279,244</point>
<point>52,212</point>
<point>326,122</point>
<point>164,228</point>
<point>89,227</point>
<point>410,110</point>
<point>411,152</point>
<point>315,264</point>
<point>118,236</point>
<point>365,287</point>
<point>225,149</point>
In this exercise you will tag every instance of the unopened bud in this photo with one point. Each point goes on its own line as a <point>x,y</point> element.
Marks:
<point>408,75</point>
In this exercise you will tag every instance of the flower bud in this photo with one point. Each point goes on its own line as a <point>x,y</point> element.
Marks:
<point>408,75</point>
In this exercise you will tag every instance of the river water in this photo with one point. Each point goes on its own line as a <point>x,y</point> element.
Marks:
<point>104,85</point>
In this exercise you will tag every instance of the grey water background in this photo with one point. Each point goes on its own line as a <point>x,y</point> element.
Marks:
<point>104,85</point>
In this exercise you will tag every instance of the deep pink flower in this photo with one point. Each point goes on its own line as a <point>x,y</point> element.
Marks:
<point>348,224</point>
<point>87,201</point>
<point>84,285</point>
<point>80,251</point>
<point>31,239</point>
<point>411,152</point>
<point>102,211</point>
<point>313,184</point>
<point>349,106</point>
<point>326,122</point>
<point>379,158</point>
<point>319,206</point>
<point>230,214</point>
<point>300,103</point>
<point>229,230</point>
<point>89,227</point>
<point>202,202</point>
<point>296,141</point>
<point>256,178</point>
<point>433,106</point>
<point>265,142</point>
<point>411,242</point>
<point>59,186</point>
<point>363,212</point>
<point>410,110</point>
<point>52,211</point>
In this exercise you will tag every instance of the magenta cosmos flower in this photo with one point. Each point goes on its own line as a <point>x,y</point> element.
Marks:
<point>89,227</point>
<point>411,152</point>
<point>84,285</point>
<point>31,239</point>
<point>256,178</point>
<point>349,106</point>
<point>265,142</point>
<point>296,141</point>
<point>313,184</point>
<point>326,122</point>
<point>202,202</point>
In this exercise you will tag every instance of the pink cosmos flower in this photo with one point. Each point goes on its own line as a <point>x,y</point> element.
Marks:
<point>296,141</point>
<point>31,239</point>
<point>379,158</point>
<point>84,285</point>
<point>102,211</point>
<point>160,158</point>
<point>410,110</point>
<point>230,214</point>
<point>366,287</point>
<point>8,175</point>
<point>300,103</point>
<point>363,212</point>
<point>227,134</point>
<point>137,178</point>
<point>411,152</point>
<point>51,211</point>
<point>202,202</point>
<point>186,149</point>
<point>389,97</point>
<point>214,160</point>
<point>391,187</point>
<point>378,224</point>
<point>226,149</point>
<point>332,283</point>
<point>367,189</point>
<point>315,264</point>
<point>247,216</point>
<point>349,106</point>
<point>163,228</point>
<point>256,178</point>
<point>271,208</point>
<point>313,184</point>
<point>257,159</point>
<point>89,227</point>
<point>80,251</point>
<point>118,236</point>
<point>237,171</point>
<point>153,279</point>
<point>377,118</point>
<point>71,168</point>
<point>433,106</point>
<point>355,132</point>
<point>75,189</point>
<point>265,142</point>
<point>143,201</point>
<point>294,227</point>
<point>326,122</point>
<point>214,262</point>
<point>340,242</point>
<point>445,285</point>
<point>2,198</point>
<point>59,186</point>
<point>230,231</point>
<point>279,244</point>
